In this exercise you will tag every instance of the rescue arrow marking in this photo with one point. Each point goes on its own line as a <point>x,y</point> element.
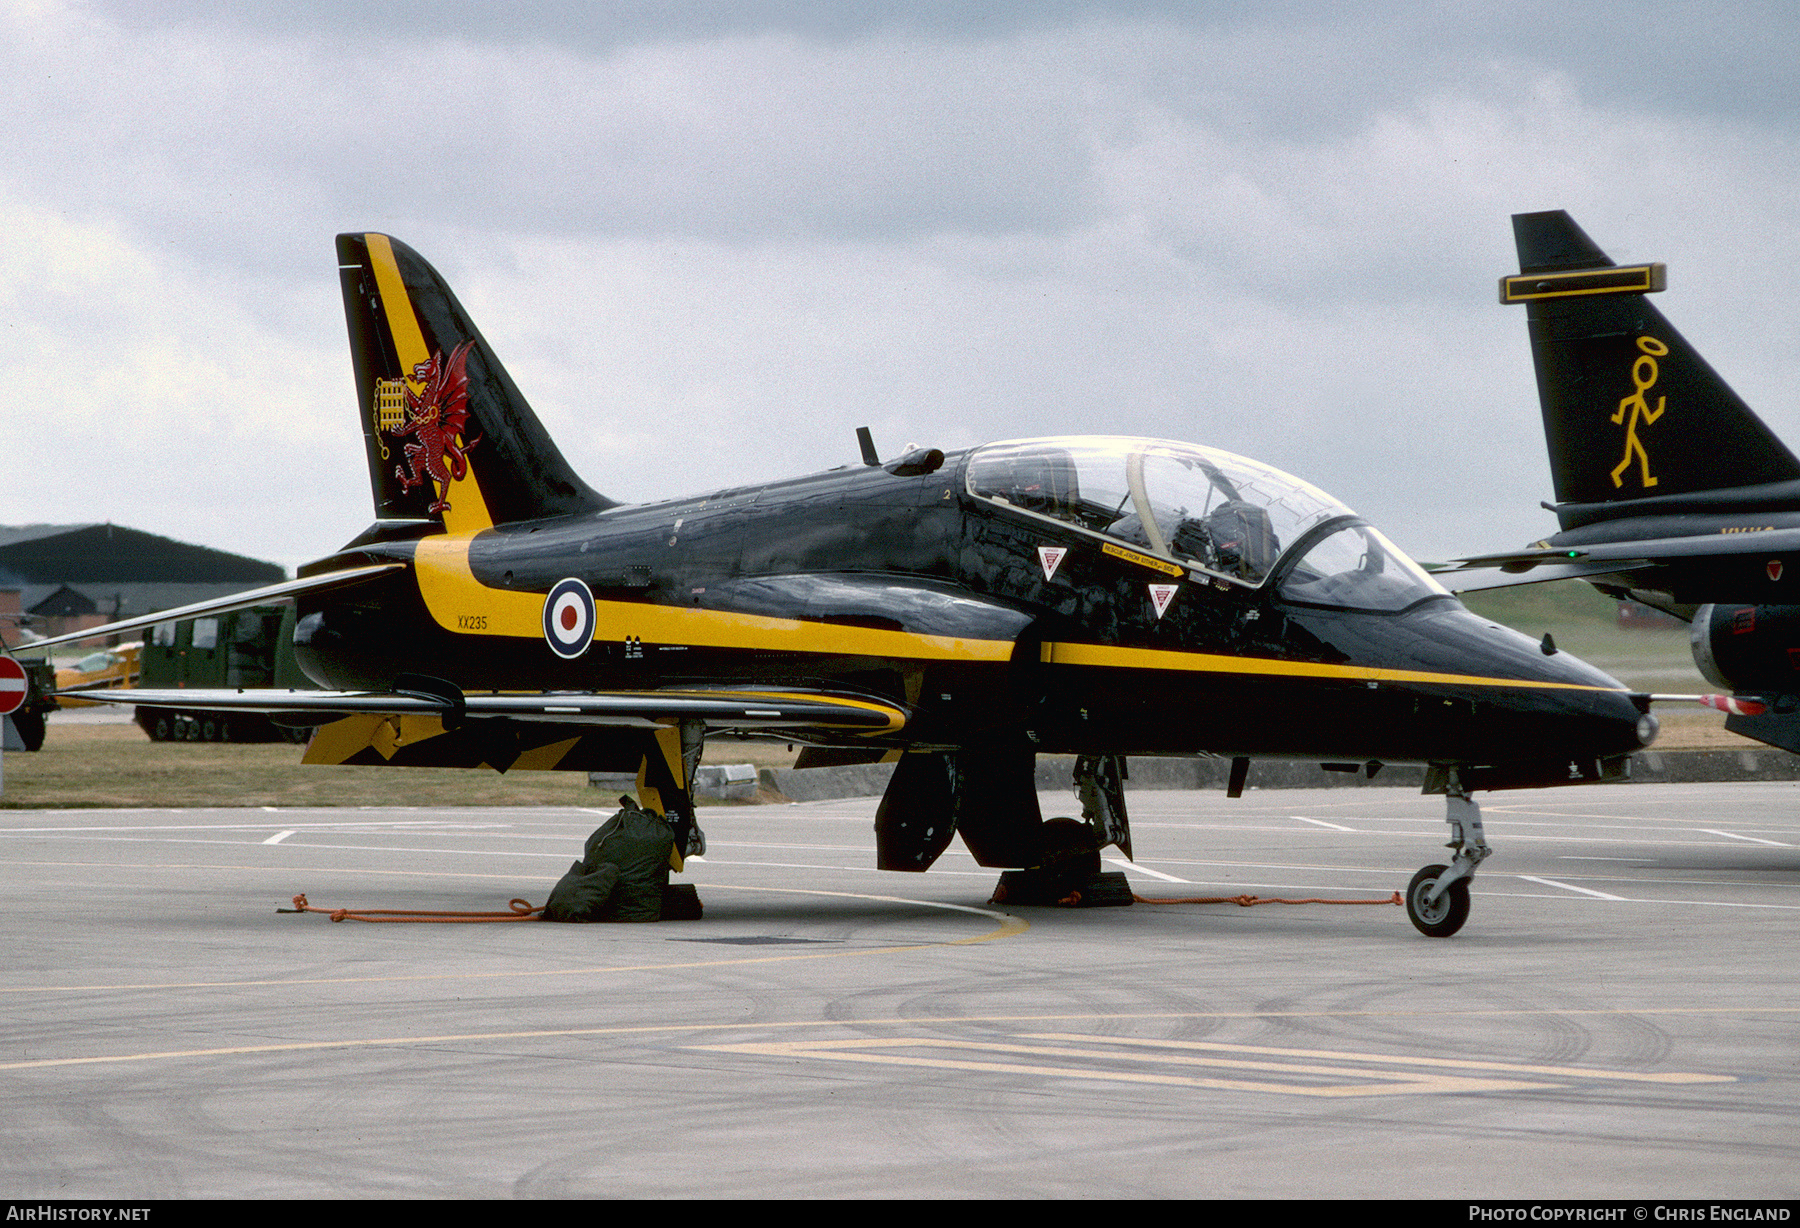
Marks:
<point>1142,560</point>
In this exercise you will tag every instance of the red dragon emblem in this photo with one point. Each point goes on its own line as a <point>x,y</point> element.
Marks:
<point>436,417</point>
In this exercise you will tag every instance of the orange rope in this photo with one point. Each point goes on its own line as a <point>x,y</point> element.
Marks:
<point>1247,901</point>
<point>521,911</point>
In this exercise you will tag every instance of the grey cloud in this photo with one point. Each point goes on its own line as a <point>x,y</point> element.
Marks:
<point>239,126</point>
<point>754,228</point>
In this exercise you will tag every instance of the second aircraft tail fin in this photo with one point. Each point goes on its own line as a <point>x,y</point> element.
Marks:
<point>1631,410</point>
<point>449,436</point>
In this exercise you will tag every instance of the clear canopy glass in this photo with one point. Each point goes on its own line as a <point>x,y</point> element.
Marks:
<point>1359,568</point>
<point>1205,509</point>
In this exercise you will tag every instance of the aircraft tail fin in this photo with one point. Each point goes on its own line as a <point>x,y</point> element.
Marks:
<point>1631,410</point>
<point>449,436</point>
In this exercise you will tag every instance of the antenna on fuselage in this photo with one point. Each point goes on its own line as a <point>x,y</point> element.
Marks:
<point>868,446</point>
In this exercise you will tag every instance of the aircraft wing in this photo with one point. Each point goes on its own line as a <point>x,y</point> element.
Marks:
<point>718,708</point>
<point>284,591</point>
<point>1476,579</point>
<point>1538,564</point>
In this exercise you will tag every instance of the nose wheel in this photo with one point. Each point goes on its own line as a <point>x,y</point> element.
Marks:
<point>1440,917</point>
<point>1437,899</point>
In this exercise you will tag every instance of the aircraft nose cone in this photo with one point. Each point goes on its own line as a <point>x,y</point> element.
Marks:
<point>1561,707</point>
<point>1490,695</point>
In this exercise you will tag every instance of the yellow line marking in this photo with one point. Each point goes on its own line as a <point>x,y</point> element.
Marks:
<point>1337,1055</point>
<point>451,591</point>
<point>1401,1084</point>
<point>1346,1081</point>
<point>1206,662</point>
<point>912,1022</point>
<point>453,595</point>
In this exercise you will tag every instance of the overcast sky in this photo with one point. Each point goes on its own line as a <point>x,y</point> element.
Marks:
<point>709,245</point>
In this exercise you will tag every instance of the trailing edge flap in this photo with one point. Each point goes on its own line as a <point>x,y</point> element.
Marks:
<point>286,590</point>
<point>719,709</point>
<point>1630,408</point>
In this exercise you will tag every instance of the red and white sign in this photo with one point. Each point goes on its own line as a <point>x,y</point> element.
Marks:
<point>1050,558</point>
<point>12,685</point>
<point>1161,595</point>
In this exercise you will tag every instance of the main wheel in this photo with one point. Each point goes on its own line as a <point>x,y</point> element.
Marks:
<point>1446,916</point>
<point>1068,848</point>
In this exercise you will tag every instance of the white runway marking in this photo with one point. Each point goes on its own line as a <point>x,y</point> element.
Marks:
<point>1320,822</point>
<point>1122,864</point>
<point>1731,835</point>
<point>377,825</point>
<point>1551,882</point>
<point>278,837</point>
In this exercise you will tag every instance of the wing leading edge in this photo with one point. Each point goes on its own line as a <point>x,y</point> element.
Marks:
<point>268,594</point>
<point>718,709</point>
<point>432,725</point>
<point>1604,558</point>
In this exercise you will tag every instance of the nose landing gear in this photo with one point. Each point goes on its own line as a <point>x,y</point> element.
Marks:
<point>1437,899</point>
<point>1442,916</point>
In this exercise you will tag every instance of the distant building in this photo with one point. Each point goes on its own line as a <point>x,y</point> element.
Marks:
<point>72,576</point>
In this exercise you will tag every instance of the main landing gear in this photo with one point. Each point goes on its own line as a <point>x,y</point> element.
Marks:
<point>1437,899</point>
<point>1066,869</point>
<point>671,760</point>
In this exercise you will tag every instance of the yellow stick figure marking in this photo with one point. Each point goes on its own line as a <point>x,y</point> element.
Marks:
<point>1643,378</point>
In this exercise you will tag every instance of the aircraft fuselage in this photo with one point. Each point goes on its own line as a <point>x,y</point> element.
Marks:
<point>1099,596</point>
<point>917,591</point>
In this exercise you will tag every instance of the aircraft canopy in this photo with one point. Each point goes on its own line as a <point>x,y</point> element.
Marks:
<point>1205,509</point>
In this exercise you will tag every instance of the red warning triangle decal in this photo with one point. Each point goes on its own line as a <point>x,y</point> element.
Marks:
<point>1050,558</point>
<point>1161,595</point>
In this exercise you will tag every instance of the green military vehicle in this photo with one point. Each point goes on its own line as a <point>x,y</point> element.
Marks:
<point>253,649</point>
<point>28,719</point>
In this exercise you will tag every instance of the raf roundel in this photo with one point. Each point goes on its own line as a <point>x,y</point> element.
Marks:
<point>569,618</point>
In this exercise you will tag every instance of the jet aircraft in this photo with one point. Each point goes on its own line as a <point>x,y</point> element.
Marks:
<point>1670,490</point>
<point>956,615</point>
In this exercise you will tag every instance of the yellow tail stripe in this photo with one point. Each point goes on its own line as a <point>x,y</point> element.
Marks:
<point>468,509</point>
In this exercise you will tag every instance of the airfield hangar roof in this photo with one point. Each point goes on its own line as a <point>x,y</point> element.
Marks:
<point>84,554</point>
